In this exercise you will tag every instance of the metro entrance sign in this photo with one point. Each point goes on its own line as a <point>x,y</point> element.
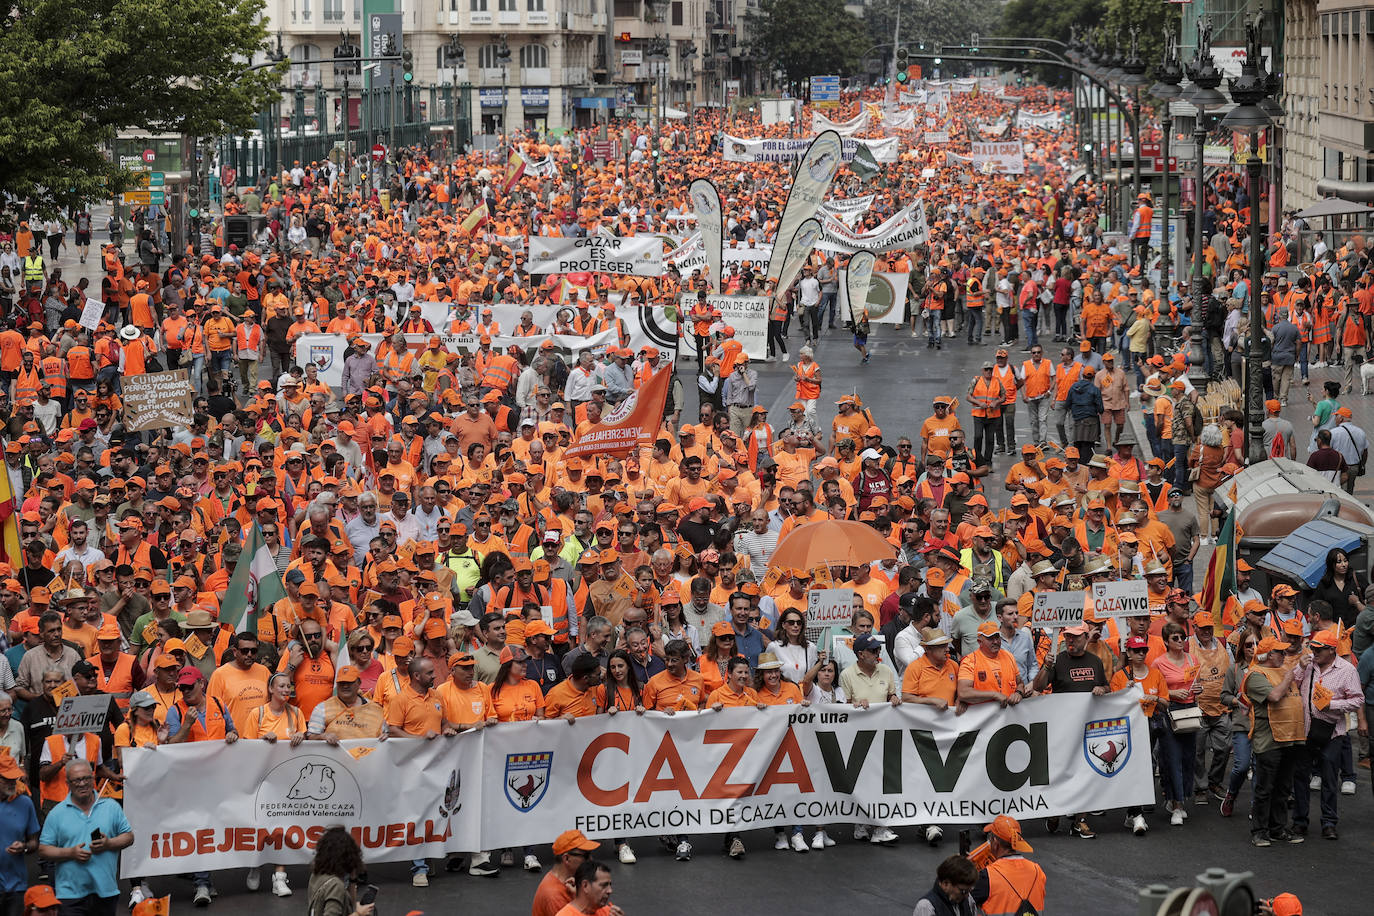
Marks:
<point>378,153</point>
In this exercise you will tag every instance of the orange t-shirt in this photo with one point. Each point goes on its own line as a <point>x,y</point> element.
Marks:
<point>517,702</point>
<point>923,679</point>
<point>999,674</point>
<point>664,692</point>
<point>564,699</point>
<point>314,680</point>
<point>465,707</point>
<point>240,691</point>
<point>413,713</point>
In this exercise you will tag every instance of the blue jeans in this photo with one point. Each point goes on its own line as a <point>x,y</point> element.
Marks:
<point>1183,576</point>
<point>198,370</point>
<point>1326,762</point>
<point>1151,433</point>
<point>419,866</point>
<point>1181,480</point>
<point>1176,763</point>
<point>222,361</point>
<point>933,327</point>
<point>973,323</point>
<point>1028,327</point>
<point>827,308</point>
<point>1302,359</point>
<point>1240,765</point>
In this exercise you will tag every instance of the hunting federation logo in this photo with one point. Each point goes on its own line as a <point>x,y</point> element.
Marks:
<point>527,779</point>
<point>322,355</point>
<point>1107,745</point>
<point>309,787</point>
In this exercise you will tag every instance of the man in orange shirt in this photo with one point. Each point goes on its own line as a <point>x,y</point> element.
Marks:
<point>989,675</point>
<point>415,713</point>
<point>932,679</point>
<point>571,849</point>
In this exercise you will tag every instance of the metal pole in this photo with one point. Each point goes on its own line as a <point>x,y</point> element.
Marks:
<point>391,108</point>
<point>1254,385</point>
<point>1135,140</point>
<point>1164,207</point>
<point>1199,137</point>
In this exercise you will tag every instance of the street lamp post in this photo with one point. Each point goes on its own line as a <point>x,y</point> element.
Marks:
<point>1168,76</point>
<point>503,56</point>
<point>1248,119</point>
<point>455,57</point>
<point>1135,79</point>
<point>1204,96</point>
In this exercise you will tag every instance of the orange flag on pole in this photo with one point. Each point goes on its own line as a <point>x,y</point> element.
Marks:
<point>633,424</point>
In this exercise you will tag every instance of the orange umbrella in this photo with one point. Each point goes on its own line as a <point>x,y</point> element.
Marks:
<point>831,543</point>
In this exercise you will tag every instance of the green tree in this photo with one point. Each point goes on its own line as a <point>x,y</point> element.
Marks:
<point>1151,17</point>
<point>77,72</point>
<point>1050,19</point>
<point>805,38</point>
<point>945,21</point>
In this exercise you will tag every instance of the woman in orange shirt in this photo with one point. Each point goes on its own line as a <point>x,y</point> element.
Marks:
<point>275,719</point>
<point>1138,671</point>
<point>736,690</point>
<point>620,690</point>
<point>516,698</point>
<point>715,659</point>
<point>772,690</point>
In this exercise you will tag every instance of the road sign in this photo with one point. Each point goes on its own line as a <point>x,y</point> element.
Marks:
<point>149,156</point>
<point>157,179</point>
<point>145,197</point>
<point>1150,150</point>
<point>378,152</point>
<point>1158,164</point>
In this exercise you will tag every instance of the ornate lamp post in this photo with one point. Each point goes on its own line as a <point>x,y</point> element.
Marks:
<point>1204,97</point>
<point>1167,77</point>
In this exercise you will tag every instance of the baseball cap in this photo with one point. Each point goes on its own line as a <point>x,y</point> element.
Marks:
<point>988,628</point>
<point>1006,827</point>
<point>189,675</point>
<point>41,897</point>
<point>867,643</point>
<point>347,673</point>
<point>570,840</point>
<point>1137,642</point>
<point>1282,905</point>
<point>1324,638</point>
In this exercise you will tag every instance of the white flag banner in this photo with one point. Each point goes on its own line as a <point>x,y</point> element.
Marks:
<point>271,802</point>
<point>810,183</point>
<point>963,85</point>
<point>886,299</point>
<point>904,229</point>
<point>785,149</point>
<point>848,209</point>
<point>994,128</point>
<point>640,256</point>
<point>688,255</point>
<point>710,226</point>
<point>999,158</point>
<point>912,98</point>
<point>718,772</point>
<point>820,122</point>
<point>858,276</point>
<point>935,137</point>
<point>542,168</point>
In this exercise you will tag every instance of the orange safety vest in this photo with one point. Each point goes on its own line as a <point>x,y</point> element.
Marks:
<point>55,789</point>
<point>214,727</point>
<point>974,294</point>
<point>120,680</point>
<point>499,373</point>
<point>248,339</point>
<point>26,386</point>
<point>983,388</point>
<point>79,365</point>
<point>55,375</point>
<point>1147,218</point>
<point>1007,376</point>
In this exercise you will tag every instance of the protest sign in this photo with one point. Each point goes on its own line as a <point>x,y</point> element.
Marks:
<point>886,299</point>
<point>1056,610</point>
<point>91,314</point>
<point>785,149</point>
<point>156,400</point>
<point>827,607</point>
<point>82,714</point>
<point>640,256</point>
<point>999,158</point>
<point>1121,599</point>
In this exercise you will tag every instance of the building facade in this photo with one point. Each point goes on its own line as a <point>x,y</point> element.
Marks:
<point>567,63</point>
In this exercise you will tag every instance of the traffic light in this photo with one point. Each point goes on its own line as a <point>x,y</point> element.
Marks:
<point>625,37</point>
<point>407,65</point>
<point>903,61</point>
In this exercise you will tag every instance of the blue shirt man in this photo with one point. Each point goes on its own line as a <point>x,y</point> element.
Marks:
<point>749,639</point>
<point>83,835</point>
<point>18,825</point>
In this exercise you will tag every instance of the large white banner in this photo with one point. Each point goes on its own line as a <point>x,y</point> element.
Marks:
<point>710,227</point>
<point>208,806</point>
<point>900,120</point>
<point>847,209</point>
<point>820,122</point>
<point>741,769</point>
<point>906,228</point>
<point>748,315</point>
<point>785,149</point>
<point>641,256</point>
<point>999,158</point>
<point>1047,120</point>
<point>690,255</point>
<point>627,775</point>
<point>886,297</point>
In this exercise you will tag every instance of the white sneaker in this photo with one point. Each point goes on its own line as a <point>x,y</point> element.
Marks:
<point>279,886</point>
<point>1176,819</point>
<point>1348,787</point>
<point>818,841</point>
<point>254,879</point>
<point>828,841</point>
<point>799,843</point>
<point>532,863</point>
<point>860,831</point>
<point>136,896</point>
<point>1138,825</point>
<point>1315,783</point>
<point>780,841</point>
<point>684,852</point>
<point>419,879</point>
<point>627,855</point>
<point>883,836</point>
<point>934,834</point>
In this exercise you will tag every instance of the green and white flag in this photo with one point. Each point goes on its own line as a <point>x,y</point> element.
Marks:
<point>863,164</point>
<point>255,584</point>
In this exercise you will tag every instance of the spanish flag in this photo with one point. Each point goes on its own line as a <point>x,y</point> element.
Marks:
<point>515,170</point>
<point>1221,570</point>
<point>9,523</point>
<point>474,220</point>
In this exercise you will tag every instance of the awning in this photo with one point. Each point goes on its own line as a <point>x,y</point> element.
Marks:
<point>1334,206</point>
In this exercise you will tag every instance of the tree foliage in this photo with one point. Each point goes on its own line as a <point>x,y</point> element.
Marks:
<point>805,38</point>
<point>77,72</point>
<point>1151,17</point>
<point>1050,19</point>
<point>945,21</point>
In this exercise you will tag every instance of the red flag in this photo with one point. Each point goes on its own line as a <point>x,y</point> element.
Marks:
<point>633,424</point>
